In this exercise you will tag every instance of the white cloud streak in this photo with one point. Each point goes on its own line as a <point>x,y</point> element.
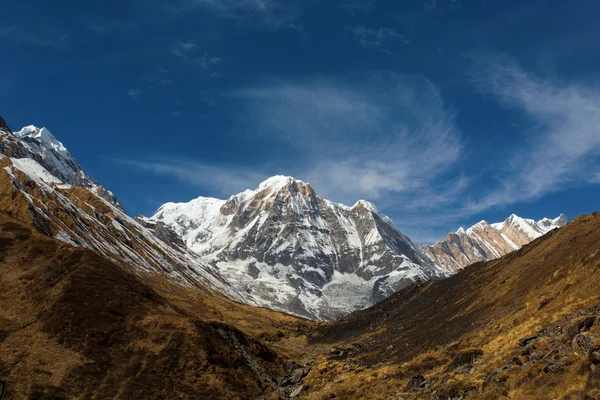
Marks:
<point>18,37</point>
<point>134,93</point>
<point>270,14</point>
<point>392,135</point>
<point>392,139</point>
<point>563,149</point>
<point>377,38</point>
<point>207,61</point>
<point>188,50</point>
<point>389,139</point>
<point>184,49</point>
<point>223,179</point>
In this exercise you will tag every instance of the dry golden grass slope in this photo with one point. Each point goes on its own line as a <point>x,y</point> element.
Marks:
<point>462,337</point>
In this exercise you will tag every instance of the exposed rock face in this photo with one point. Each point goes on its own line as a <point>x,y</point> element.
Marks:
<point>162,232</point>
<point>299,252</point>
<point>80,217</point>
<point>3,126</point>
<point>40,145</point>
<point>484,242</point>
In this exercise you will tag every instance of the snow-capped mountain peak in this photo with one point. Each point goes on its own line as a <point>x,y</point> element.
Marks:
<point>529,227</point>
<point>278,182</point>
<point>40,145</point>
<point>550,224</point>
<point>292,250</point>
<point>44,136</point>
<point>367,205</point>
<point>484,241</point>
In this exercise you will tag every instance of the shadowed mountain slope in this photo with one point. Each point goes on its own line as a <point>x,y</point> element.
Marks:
<point>74,325</point>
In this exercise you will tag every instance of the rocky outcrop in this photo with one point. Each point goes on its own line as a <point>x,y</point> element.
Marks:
<point>483,241</point>
<point>3,126</point>
<point>162,232</point>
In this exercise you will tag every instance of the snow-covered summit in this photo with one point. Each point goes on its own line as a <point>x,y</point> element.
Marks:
<point>292,250</point>
<point>278,182</point>
<point>43,136</point>
<point>529,227</point>
<point>40,145</point>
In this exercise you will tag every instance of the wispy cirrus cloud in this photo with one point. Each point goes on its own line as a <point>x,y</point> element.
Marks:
<point>391,135</point>
<point>135,94</point>
<point>270,14</point>
<point>564,147</point>
<point>223,179</point>
<point>390,139</point>
<point>356,6</point>
<point>184,49</point>
<point>188,51</point>
<point>23,37</point>
<point>377,38</point>
<point>207,61</point>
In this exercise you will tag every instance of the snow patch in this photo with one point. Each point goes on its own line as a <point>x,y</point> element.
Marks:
<point>35,171</point>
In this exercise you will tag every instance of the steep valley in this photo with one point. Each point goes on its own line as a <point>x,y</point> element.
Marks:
<point>197,300</point>
<point>75,325</point>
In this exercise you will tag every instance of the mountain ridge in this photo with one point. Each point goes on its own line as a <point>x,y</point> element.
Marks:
<point>209,227</point>
<point>40,145</point>
<point>280,246</point>
<point>484,241</point>
<point>284,233</point>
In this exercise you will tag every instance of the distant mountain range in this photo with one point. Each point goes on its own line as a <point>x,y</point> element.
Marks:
<point>483,241</point>
<point>280,246</point>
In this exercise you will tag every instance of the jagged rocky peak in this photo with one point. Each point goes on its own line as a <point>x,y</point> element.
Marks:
<point>292,250</point>
<point>40,145</point>
<point>275,186</point>
<point>43,136</point>
<point>559,222</point>
<point>484,241</point>
<point>4,126</point>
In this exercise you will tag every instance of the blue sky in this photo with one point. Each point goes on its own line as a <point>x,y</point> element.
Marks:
<point>441,112</point>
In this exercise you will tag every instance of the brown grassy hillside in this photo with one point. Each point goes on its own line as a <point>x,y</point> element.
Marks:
<point>73,325</point>
<point>460,336</point>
